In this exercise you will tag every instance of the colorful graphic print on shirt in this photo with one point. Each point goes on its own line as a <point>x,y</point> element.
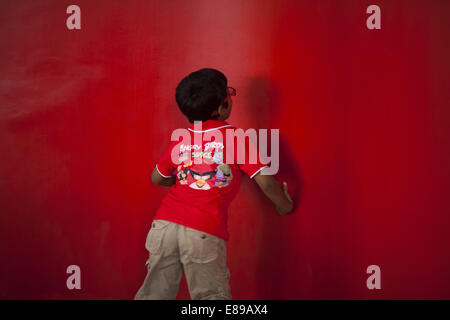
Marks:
<point>204,176</point>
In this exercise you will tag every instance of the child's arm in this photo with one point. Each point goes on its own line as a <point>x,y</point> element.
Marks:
<point>272,189</point>
<point>162,181</point>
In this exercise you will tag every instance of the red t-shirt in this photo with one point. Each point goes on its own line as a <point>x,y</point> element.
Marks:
<point>208,177</point>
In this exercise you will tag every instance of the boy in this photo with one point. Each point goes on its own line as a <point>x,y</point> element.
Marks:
<point>189,231</point>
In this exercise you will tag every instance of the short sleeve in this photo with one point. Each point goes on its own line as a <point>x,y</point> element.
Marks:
<point>165,166</point>
<point>253,164</point>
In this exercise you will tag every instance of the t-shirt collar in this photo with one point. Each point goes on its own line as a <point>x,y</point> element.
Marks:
<point>210,125</point>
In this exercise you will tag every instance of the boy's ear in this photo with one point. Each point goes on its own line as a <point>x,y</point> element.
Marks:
<point>222,108</point>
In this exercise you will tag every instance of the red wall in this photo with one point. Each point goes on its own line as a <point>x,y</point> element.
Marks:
<point>364,122</point>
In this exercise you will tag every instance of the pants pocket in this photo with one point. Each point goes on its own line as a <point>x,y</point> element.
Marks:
<point>155,236</point>
<point>203,247</point>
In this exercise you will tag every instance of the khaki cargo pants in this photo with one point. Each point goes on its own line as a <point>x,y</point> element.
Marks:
<point>175,249</point>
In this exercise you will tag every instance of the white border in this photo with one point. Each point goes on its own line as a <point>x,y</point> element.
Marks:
<point>251,177</point>
<point>161,173</point>
<point>228,125</point>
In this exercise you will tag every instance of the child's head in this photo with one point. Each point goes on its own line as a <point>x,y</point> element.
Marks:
<point>200,96</point>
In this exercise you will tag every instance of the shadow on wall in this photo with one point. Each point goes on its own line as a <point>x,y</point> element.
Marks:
<point>265,105</point>
<point>276,251</point>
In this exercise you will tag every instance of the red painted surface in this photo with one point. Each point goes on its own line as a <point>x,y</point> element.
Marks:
<point>364,121</point>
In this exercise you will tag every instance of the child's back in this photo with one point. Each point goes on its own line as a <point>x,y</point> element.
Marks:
<point>207,178</point>
<point>204,169</point>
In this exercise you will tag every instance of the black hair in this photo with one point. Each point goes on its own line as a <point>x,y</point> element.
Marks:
<point>200,93</point>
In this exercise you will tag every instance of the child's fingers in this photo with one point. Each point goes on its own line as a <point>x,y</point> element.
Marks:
<point>285,189</point>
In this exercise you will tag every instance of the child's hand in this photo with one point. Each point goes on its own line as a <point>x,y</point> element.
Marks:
<point>285,190</point>
<point>289,199</point>
<point>275,192</point>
